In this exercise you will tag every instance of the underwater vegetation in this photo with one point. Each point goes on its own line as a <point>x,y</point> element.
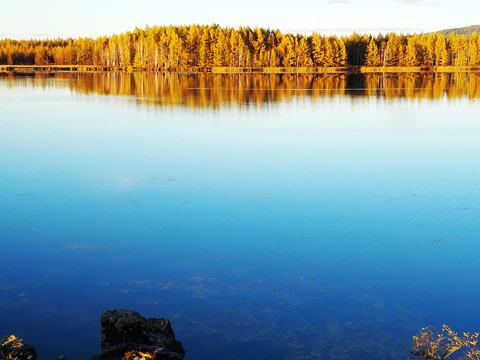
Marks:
<point>139,355</point>
<point>428,345</point>
<point>12,348</point>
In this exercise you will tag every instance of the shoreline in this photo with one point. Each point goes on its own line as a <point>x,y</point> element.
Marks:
<point>32,69</point>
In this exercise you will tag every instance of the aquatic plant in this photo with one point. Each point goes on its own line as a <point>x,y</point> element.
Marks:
<point>473,354</point>
<point>428,345</point>
<point>12,348</point>
<point>139,355</point>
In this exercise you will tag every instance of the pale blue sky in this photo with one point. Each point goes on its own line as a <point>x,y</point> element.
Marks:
<point>92,18</point>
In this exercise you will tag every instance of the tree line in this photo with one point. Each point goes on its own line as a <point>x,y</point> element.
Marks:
<point>204,47</point>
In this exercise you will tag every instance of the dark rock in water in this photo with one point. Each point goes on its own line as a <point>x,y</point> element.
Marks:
<point>12,347</point>
<point>127,335</point>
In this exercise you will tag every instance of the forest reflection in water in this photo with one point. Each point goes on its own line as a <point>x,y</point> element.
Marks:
<point>212,91</point>
<point>268,235</point>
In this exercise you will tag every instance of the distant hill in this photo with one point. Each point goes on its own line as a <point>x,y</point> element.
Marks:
<point>468,30</point>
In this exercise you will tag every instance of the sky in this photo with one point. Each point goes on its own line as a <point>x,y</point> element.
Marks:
<point>49,19</point>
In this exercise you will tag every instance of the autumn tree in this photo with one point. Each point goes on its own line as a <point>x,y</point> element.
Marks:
<point>192,42</point>
<point>441,53</point>
<point>220,49</point>
<point>288,54</point>
<point>356,46</point>
<point>176,56</point>
<point>258,41</point>
<point>473,50</point>
<point>412,55</point>
<point>302,52</point>
<point>458,50</point>
<point>371,56</point>
<point>205,56</point>
<point>41,56</point>
<point>318,53</point>
<point>394,53</point>
<point>184,47</point>
<point>328,54</point>
<point>341,56</point>
<point>429,49</point>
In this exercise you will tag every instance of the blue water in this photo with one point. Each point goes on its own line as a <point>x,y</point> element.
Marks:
<point>299,227</point>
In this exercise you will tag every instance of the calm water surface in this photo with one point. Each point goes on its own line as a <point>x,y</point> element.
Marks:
<point>268,217</point>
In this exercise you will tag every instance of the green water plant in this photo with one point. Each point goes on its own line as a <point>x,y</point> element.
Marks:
<point>429,345</point>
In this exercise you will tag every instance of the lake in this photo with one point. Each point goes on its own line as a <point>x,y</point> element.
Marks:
<point>267,216</point>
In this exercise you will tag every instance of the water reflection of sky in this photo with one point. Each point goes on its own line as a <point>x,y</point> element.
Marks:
<point>314,227</point>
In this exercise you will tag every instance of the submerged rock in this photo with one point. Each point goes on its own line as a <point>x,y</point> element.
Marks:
<point>127,335</point>
<point>13,348</point>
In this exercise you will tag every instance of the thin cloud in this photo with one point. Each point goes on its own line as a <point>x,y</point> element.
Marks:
<point>41,36</point>
<point>416,2</point>
<point>362,30</point>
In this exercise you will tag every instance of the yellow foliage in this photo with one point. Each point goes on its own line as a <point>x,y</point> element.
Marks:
<point>473,354</point>
<point>13,338</point>
<point>428,345</point>
<point>11,349</point>
<point>139,355</point>
<point>181,48</point>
